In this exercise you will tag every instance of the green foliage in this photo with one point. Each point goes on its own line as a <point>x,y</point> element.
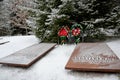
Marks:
<point>4,31</point>
<point>67,9</point>
<point>41,27</point>
<point>61,21</point>
<point>32,13</point>
<point>56,3</point>
<point>53,35</point>
<point>46,28</point>
<point>91,14</point>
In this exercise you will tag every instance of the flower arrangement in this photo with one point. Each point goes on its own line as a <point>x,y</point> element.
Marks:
<point>66,34</point>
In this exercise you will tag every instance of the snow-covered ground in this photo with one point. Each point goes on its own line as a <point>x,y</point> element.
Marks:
<point>51,66</point>
<point>16,43</point>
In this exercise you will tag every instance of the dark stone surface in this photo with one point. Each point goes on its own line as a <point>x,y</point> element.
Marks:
<point>1,0</point>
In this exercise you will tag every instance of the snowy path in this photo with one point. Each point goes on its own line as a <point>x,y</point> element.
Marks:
<point>52,67</point>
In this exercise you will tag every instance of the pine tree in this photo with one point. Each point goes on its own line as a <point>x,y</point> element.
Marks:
<point>56,3</point>
<point>18,17</point>
<point>92,12</point>
<point>46,29</point>
<point>93,15</point>
<point>3,20</point>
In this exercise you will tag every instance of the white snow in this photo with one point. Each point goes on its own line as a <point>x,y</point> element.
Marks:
<point>99,20</point>
<point>108,32</point>
<point>16,43</point>
<point>115,46</point>
<point>51,66</point>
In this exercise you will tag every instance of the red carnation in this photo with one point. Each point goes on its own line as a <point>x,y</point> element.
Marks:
<point>76,31</point>
<point>63,32</point>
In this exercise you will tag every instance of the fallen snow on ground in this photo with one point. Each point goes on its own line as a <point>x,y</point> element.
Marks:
<point>52,67</point>
<point>16,43</point>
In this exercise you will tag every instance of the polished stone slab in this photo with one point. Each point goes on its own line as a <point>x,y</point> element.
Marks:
<point>93,57</point>
<point>27,56</point>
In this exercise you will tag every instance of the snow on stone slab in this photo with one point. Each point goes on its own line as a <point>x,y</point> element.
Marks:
<point>26,57</point>
<point>51,67</point>
<point>3,42</point>
<point>1,38</point>
<point>115,46</point>
<point>16,43</point>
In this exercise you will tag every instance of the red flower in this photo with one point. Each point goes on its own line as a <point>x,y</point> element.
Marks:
<point>63,32</point>
<point>76,31</point>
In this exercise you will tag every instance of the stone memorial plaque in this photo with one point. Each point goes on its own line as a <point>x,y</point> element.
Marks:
<point>26,57</point>
<point>93,57</point>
